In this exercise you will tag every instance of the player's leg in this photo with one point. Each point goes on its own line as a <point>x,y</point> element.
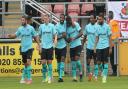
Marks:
<point>49,62</point>
<point>29,67</point>
<point>78,62</point>
<point>89,54</point>
<point>105,65</point>
<point>44,65</point>
<point>73,64</point>
<point>62,64</point>
<point>100,62</point>
<point>101,67</point>
<point>58,57</point>
<point>96,68</point>
<point>97,63</point>
<point>24,72</point>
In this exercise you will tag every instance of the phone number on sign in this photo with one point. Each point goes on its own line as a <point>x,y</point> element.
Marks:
<point>17,62</point>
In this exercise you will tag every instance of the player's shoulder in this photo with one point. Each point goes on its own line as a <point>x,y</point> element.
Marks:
<point>96,25</point>
<point>29,26</point>
<point>106,25</point>
<point>41,25</point>
<point>20,28</point>
<point>57,24</point>
<point>88,25</point>
<point>51,24</point>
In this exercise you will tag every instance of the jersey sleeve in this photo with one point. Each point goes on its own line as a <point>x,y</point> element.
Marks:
<point>97,33</point>
<point>109,32</point>
<point>18,33</point>
<point>39,32</point>
<point>78,27</point>
<point>54,30</point>
<point>34,33</point>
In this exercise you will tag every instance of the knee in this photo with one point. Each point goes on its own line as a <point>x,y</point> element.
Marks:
<point>43,61</point>
<point>49,62</point>
<point>28,62</point>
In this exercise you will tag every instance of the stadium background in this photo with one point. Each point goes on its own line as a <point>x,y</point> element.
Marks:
<point>12,10</point>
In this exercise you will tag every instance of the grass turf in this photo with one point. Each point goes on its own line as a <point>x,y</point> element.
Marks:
<point>112,83</point>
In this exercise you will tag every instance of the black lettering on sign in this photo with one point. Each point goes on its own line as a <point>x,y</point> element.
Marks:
<point>12,51</point>
<point>6,50</point>
<point>37,61</point>
<point>14,62</point>
<point>17,62</point>
<point>5,62</point>
<point>34,71</point>
<point>6,70</point>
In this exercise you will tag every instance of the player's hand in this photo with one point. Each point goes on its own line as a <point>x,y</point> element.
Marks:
<point>8,35</point>
<point>94,50</point>
<point>55,43</point>
<point>70,40</point>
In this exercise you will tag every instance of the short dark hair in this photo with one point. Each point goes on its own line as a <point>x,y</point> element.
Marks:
<point>24,16</point>
<point>101,15</point>
<point>93,15</point>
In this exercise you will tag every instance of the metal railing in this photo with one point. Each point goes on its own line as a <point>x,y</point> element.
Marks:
<point>41,9</point>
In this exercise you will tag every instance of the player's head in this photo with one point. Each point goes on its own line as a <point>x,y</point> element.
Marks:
<point>62,18</point>
<point>100,19</point>
<point>46,18</point>
<point>92,18</point>
<point>29,19</point>
<point>42,18</point>
<point>111,15</point>
<point>24,20</point>
<point>68,21</point>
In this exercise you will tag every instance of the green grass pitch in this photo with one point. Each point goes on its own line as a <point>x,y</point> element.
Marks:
<point>112,83</point>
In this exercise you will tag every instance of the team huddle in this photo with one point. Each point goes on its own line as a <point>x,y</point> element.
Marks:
<point>97,37</point>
